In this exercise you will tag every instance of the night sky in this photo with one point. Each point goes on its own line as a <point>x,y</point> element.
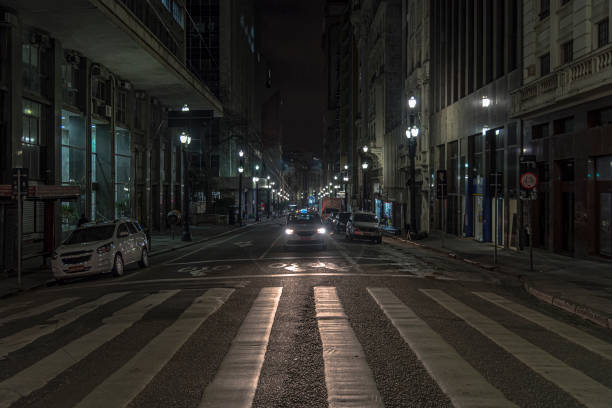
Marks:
<point>290,38</point>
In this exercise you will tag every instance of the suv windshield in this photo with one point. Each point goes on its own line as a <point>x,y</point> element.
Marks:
<point>90,234</point>
<point>365,218</point>
<point>303,219</point>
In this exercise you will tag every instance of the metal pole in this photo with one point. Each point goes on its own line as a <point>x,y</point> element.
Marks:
<point>495,246</point>
<point>363,206</point>
<point>257,201</point>
<point>530,238</point>
<point>412,186</point>
<point>186,233</point>
<point>240,199</point>
<point>19,227</point>
<point>443,221</point>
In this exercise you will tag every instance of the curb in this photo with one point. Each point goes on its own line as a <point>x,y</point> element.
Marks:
<point>453,255</point>
<point>579,310</point>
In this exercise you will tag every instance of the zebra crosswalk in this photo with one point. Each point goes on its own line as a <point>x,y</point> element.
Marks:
<point>346,354</point>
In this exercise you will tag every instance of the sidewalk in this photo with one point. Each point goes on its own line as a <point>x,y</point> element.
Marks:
<point>581,287</point>
<point>35,276</point>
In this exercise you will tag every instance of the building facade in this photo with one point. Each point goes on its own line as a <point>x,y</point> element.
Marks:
<point>563,108</point>
<point>86,107</point>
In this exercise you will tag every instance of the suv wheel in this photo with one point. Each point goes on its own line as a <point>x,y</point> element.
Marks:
<point>118,265</point>
<point>144,259</point>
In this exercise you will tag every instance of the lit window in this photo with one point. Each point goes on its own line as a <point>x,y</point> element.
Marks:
<point>31,122</point>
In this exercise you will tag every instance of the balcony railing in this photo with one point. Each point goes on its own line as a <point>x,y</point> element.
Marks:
<point>580,76</point>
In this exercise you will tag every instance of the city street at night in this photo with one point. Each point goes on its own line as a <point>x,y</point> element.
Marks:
<point>241,319</point>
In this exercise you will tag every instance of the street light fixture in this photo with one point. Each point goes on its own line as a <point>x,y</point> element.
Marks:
<point>185,108</point>
<point>346,167</point>
<point>364,166</point>
<point>365,148</point>
<point>241,153</point>
<point>257,167</point>
<point>485,102</point>
<point>185,140</point>
<point>412,102</point>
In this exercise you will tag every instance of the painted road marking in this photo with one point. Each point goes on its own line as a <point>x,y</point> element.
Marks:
<point>236,380</point>
<point>456,377</point>
<point>8,308</point>
<point>286,258</point>
<point>271,246</point>
<point>581,387</point>
<point>39,374</point>
<point>348,377</point>
<point>23,338</point>
<point>564,330</point>
<point>208,244</point>
<point>37,310</point>
<point>125,384</point>
<point>243,244</point>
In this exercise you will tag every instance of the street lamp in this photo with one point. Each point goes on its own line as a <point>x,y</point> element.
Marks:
<point>185,140</point>
<point>365,148</point>
<point>412,102</point>
<point>256,181</point>
<point>185,108</point>
<point>412,133</point>
<point>485,102</point>
<point>240,171</point>
<point>346,167</point>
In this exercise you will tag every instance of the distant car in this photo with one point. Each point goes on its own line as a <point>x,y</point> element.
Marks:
<point>363,225</point>
<point>305,229</point>
<point>101,248</point>
<point>341,220</point>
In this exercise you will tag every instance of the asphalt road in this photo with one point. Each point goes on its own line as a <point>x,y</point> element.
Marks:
<point>239,321</point>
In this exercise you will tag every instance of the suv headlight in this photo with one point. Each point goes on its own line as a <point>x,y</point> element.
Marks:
<point>321,230</point>
<point>105,248</point>
<point>289,231</point>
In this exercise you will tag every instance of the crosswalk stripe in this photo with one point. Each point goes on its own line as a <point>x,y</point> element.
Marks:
<point>581,387</point>
<point>10,307</point>
<point>39,374</point>
<point>21,339</point>
<point>235,383</point>
<point>348,377</point>
<point>126,383</point>
<point>564,330</point>
<point>45,307</point>
<point>458,380</point>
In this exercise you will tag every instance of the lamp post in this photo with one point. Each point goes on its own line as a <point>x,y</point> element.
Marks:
<point>345,179</point>
<point>256,180</point>
<point>240,171</point>
<point>412,133</point>
<point>185,140</point>
<point>364,167</point>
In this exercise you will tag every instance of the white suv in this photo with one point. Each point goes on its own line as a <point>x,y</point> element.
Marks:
<point>101,248</point>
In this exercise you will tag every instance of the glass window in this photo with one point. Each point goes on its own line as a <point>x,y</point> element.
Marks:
<point>122,229</point>
<point>602,32</point>
<point>90,234</point>
<point>31,67</point>
<point>131,227</point>
<point>567,52</point>
<point>123,180</point>
<point>544,9</point>
<point>31,122</point>
<point>73,148</point>
<point>603,166</point>
<point>545,64</point>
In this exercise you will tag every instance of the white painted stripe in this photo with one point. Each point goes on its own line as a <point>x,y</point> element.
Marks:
<point>348,377</point>
<point>236,380</point>
<point>271,246</point>
<point>564,330</point>
<point>13,306</point>
<point>457,378</point>
<point>45,307</point>
<point>21,339</point>
<point>581,387</point>
<point>211,243</point>
<point>39,374</point>
<point>125,384</point>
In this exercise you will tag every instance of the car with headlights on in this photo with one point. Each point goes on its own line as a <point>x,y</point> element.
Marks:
<point>363,225</point>
<point>96,248</point>
<point>305,229</point>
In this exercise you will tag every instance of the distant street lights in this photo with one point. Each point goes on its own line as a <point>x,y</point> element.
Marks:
<point>185,140</point>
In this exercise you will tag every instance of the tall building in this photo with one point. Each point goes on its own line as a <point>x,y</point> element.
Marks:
<point>84,93</point>
<point>474,64</point>
<point>564,108</point>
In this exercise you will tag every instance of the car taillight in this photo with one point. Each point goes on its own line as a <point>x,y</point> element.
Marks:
<point>105,248</point>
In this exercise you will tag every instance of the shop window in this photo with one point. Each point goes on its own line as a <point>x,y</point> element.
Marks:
<point>545,64</point>
<point>603,32</point>
<point>603,166</point>
<point>567,52</point>
<point>73,149</point>
<point>539,131</point>
<point>564,125</point>
<point>123,179</point>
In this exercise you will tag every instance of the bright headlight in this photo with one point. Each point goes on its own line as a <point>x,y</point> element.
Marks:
<point>288,231</point>
<point>321,231</point>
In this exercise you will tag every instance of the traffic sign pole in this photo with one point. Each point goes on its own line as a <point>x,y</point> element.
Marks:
<point>19,227</point>
<point>496,218</point>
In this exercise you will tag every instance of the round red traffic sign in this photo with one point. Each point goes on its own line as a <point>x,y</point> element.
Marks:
<point>529,180</point>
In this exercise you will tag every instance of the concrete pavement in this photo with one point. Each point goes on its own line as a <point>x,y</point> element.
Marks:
<point>579,286</point>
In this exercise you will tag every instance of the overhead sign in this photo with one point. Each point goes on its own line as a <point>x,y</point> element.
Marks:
<point>441,185</point>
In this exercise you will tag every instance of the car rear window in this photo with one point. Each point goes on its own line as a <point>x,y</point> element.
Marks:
<point>365,218</point>
<point>90,234</point>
